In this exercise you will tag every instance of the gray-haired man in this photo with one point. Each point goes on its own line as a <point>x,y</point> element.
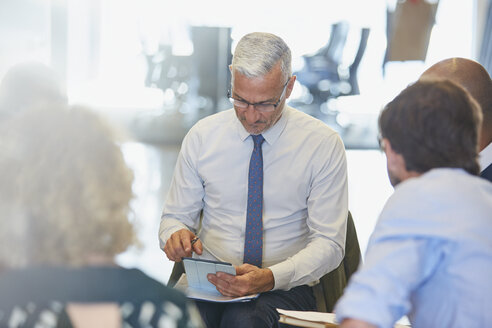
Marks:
<point>271,183</point>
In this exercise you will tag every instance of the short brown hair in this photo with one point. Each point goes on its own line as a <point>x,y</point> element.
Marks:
<point>433,124</point>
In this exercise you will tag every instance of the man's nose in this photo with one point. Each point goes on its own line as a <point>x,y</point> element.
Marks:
<point>251,114</point>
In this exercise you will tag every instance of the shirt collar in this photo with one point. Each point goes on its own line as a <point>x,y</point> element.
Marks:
<point>273,133</point>
<point>485,157</point>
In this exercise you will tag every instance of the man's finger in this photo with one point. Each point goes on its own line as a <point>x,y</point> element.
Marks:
<point>223,286</point>
<point>169,251</point>
<point>178,249</point>
<point>198,247</point>
<point>226,277</point>
<point>185,238</point>
<point>245,268</point>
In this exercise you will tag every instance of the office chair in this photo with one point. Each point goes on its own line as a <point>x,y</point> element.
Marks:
<point>354,84</point>
<point>332,284</point>
<point>325,63</point>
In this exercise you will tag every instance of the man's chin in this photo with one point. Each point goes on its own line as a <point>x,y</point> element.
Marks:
<point>394,180</point>
<point>255,132</point>
<point>255,129</point>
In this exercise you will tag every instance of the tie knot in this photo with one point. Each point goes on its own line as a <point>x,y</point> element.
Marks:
<point>258,140</point>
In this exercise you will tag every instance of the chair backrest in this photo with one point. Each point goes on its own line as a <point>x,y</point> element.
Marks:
<point>178,270</point>
<point>332,284</point>
<point>353,256</point>
<point>333,52</point>
<point>364,35</point>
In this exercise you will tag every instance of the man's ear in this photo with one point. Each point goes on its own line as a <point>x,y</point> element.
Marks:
<point>290,86</point>
<point>386,144</point>
<point>396,163</point>
<point>394,159</point>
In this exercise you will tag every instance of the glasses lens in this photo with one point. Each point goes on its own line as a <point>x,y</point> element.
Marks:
<point>238,104</point>
<point>380,142</point>
<point>265,107</point>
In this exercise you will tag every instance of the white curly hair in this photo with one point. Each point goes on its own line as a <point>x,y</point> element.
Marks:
<point>65,189</point>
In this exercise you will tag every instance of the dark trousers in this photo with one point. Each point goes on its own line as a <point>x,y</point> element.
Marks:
<point>257,313</point>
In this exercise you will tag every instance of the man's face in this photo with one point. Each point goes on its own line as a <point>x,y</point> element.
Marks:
<point>393,177</point>
<point>392,162</point>
<point>265,89</point>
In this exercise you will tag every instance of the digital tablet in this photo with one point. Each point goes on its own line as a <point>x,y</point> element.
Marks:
<point>197,270</point>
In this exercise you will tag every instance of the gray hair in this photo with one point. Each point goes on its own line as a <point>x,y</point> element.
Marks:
<point>257,53</point>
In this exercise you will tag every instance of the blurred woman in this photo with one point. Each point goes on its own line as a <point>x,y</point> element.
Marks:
<point>29,84</point>
<point>64,204</point>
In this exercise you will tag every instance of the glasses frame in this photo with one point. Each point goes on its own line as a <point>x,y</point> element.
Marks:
<point>229,95</point>
<point>380,142</point>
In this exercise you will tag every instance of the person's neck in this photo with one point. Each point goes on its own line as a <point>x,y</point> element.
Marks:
<point>484,141</point>
<point>409,174</point>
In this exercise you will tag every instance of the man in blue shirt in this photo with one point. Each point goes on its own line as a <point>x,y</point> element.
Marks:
<point>430,255</point>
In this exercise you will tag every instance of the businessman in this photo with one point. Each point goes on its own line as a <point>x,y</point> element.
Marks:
<point>267,185</point>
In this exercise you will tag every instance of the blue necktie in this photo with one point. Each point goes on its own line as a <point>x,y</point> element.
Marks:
<point>253,243</point>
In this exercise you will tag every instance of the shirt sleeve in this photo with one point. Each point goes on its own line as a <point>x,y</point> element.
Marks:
<point>327,206</point>
<point>380,292</point>
<point>185,197</point>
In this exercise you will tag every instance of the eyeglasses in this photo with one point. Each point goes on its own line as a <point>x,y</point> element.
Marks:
<point>380,142</point>
<point>261,107</point>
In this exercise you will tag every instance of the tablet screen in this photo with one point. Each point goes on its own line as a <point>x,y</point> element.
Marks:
<point>197,270</point>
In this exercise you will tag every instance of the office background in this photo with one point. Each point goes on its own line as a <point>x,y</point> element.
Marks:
<point>154,67</point>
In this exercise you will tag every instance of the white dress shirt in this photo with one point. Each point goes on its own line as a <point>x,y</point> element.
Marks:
<point>304,194</point>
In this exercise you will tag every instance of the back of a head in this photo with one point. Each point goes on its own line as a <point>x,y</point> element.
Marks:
<point>65,189</point>
<point>27,85</point>
<point>473,77</point>
<point>433,124</point>
<point>257,53</point>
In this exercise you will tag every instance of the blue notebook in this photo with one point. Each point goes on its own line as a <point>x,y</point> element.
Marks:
<point>197,270</point>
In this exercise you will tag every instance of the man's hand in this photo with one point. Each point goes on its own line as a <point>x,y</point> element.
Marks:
<point>354,323</point>
<point>179,245</point>
<point>249,279</point>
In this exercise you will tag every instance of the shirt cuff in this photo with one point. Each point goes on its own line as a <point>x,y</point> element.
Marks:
<point>359,305</point>
<point>167,229</point>
<point>282,273</point>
